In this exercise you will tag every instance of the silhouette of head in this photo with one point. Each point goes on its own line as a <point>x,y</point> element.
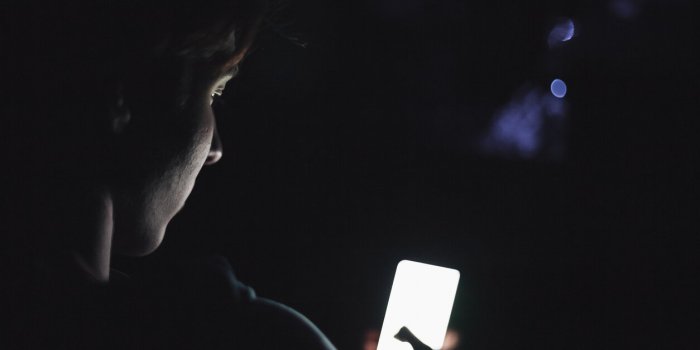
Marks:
<point>115,96</point>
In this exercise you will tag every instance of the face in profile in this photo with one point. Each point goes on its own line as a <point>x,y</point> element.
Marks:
<point>170,136</point>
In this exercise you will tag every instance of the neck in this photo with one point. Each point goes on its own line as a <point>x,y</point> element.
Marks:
<point>93,252</point>
<point>74,237</point>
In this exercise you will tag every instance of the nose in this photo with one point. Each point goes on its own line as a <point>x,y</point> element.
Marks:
<point>216,150</point>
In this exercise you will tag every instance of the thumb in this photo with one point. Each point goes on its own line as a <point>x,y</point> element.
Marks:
<point>405,335</point>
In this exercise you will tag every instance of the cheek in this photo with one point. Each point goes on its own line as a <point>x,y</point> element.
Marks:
<point>203,133</point>
<point>165,155</point>
<point>189,150</point>
<point>156,167</point>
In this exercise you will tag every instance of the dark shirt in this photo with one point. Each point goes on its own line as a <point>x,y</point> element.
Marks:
<point>197,305</point>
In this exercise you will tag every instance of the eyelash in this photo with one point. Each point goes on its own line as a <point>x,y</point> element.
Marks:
<point>217,92</point>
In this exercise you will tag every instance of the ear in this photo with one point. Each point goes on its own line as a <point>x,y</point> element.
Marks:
<point>119,113</point>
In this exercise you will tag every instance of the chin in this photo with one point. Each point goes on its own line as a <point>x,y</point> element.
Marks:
<point>139,242</point>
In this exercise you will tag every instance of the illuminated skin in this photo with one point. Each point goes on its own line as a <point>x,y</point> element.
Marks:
<point>170,150</point>
<point>166,133</point>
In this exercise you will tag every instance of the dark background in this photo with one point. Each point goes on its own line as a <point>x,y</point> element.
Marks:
<point>364,148</point>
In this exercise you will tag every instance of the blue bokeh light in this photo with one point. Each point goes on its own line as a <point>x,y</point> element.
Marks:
<point>558,88</point>
<point>626,9</point>
<point>563,31</point>
<point>526,127</point>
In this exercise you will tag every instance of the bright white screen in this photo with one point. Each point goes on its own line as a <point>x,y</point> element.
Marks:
<point>421,299</point>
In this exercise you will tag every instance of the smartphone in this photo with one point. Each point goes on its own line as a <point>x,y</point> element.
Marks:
<point>421,299</point>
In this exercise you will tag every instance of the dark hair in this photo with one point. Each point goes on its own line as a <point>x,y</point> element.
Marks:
<point>111,30</point>
<point>68,45</point>
<point>54,51</point>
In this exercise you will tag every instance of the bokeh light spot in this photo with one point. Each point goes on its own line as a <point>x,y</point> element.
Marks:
<point>563,31</point>
<point>626,9</point>
<point>558,88</point>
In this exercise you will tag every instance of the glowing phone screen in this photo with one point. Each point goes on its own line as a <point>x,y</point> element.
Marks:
<point>421,299</point>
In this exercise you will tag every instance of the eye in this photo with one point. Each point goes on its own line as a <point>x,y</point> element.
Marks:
<point>218,91</point>
<point>221,84</point>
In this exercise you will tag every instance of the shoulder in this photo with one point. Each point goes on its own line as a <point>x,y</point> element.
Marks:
<point>276,325</point>
<point>201,303</point>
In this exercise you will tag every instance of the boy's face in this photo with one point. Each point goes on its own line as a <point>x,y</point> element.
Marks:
<point>171,135</point>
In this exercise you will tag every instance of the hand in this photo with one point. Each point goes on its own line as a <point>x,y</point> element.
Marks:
<point>405,335</point>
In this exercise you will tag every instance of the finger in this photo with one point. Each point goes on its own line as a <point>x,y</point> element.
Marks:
<point>405,335</point>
